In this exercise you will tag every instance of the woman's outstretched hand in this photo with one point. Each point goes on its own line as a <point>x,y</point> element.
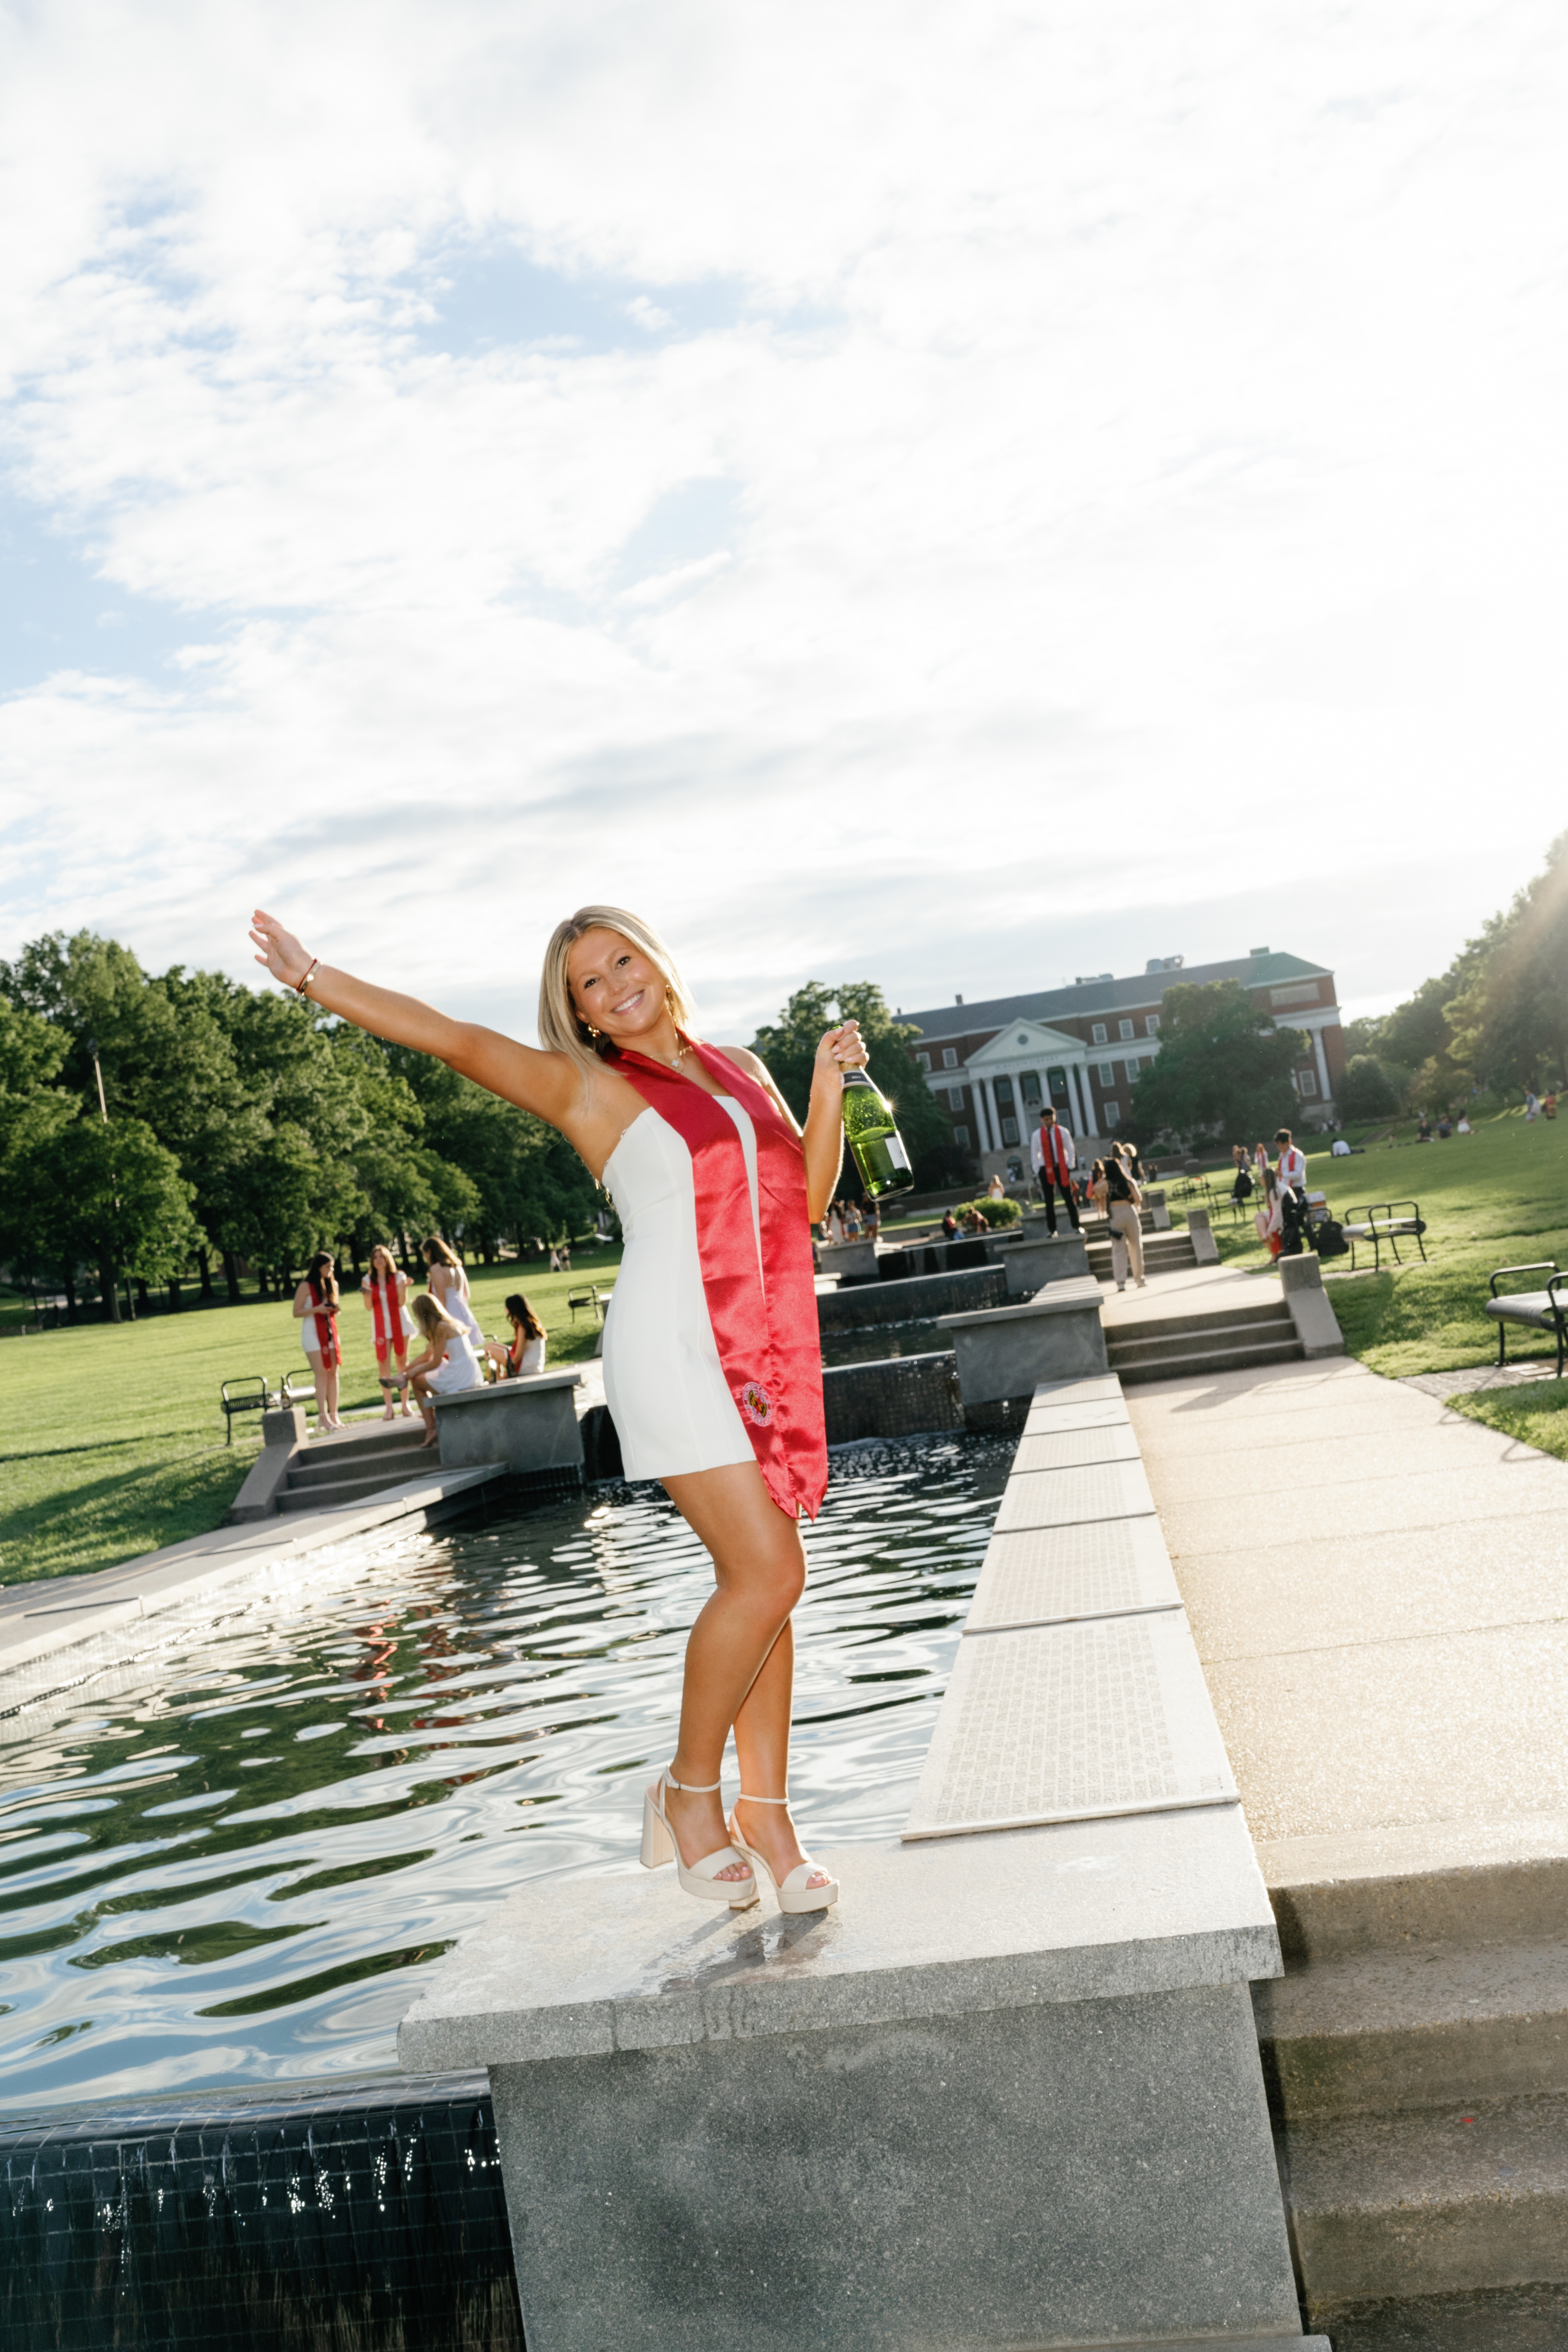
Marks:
<point>280,951</point>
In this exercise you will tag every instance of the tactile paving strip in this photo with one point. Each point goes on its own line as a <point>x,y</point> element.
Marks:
<point>1070,1722</point>
<point>1073,1449</point>
<point>1043,1419</point>
<point>1092,1388</point>
<point>1044,1575</point>
<point>1057,1499</point>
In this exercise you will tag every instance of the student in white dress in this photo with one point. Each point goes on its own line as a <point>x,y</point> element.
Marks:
<point>525,1355</point>
<point>643,1101</point>
<point>448,1280</point>
<point>448,1364</point>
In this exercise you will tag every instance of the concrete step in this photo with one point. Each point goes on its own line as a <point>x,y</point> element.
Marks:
<point>1257,1316</point>
<point>323,1495</point>
<point>1386,2032</point>
<point>1162,1253</point>
<point>389,1437</point>
<point>1417,2058</point>
<point>1208,1361</point>
<point>1436,2201</point>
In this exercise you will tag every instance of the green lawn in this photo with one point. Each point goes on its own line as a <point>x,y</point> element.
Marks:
<point>1499,1197</point>
<point>114,1444</point>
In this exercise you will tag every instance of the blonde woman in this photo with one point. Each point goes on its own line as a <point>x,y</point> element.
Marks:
<point>448,1280</point>
<point>384,1291</point>
<point>448,1364</point>
<point>713,1366</point>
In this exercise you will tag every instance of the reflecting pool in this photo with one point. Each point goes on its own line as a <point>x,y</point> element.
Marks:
<point>237,1861</point>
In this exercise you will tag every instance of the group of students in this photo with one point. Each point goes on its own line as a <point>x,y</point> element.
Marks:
<point>1281,1216</point>
<point>457,1355</point>
<point>850,1220</point>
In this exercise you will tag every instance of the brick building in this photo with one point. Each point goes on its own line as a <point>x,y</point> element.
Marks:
<point>1082,1047</point>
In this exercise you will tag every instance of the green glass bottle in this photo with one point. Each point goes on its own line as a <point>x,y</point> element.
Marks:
<point>874,1138</point>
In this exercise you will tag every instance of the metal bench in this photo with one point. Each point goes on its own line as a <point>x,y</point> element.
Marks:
<point>293,1389</point>
<point>1378,1223</point>
<point>593,1297</point>
<point>1541,1310</point>
<point>250,1394</point>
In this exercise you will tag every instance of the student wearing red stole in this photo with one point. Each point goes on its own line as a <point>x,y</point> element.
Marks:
<point>712,1359</point>
<point>316,1310</point>
<point>384,1291</point>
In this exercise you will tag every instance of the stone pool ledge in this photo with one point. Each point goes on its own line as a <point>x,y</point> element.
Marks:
<point>57,1631</point>
<point>1006,2093</point>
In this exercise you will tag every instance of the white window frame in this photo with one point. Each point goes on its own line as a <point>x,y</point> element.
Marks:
<point>1152,1024</point>
<point>1097,1035</point>
<point>961,1136</point>
<point>1009,1134</point>
<point>924,1061</point>
<point>1307,1085</point>
<point>1124,1030</point>
<point>955,1099</point>
<point>1108,1074</point>
<point>1112,1110</point>
<point>950,1057</point>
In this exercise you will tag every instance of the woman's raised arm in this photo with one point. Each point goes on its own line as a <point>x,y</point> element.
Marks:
<point>543,1083</point>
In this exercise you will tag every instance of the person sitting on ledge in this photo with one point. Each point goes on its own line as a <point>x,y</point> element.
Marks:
<point>448,1364</point>
<point>525,1353</point>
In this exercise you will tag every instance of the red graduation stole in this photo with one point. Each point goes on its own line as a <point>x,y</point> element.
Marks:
<point>764,1327</point>
<point>1055,1153</point>
<point>385,1315</point>
<point>326,1322</point>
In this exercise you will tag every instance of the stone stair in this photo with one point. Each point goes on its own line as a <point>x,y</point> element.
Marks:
<point>1228,1338</point>
<point>1163,1254</point>
<point>1416,2057</point>
<point>346,1469</point>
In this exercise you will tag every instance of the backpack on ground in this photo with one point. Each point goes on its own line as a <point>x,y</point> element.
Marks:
<point>1329,1240</point>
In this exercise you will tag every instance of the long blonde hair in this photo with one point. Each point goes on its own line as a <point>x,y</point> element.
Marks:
<point>562,1029</point>
<point>427,1312</point>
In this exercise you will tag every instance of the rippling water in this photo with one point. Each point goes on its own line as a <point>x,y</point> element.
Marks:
<point>239,1861</point>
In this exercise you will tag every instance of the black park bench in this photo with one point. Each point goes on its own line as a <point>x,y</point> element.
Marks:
<point>1385,1220</point>
<point>248,1393</point>
<point>1538,1310</point>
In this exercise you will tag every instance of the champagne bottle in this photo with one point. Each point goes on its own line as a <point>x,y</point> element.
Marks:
<point>874,1138</point>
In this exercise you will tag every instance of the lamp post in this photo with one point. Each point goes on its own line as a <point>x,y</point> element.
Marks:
<point>103,1114</point>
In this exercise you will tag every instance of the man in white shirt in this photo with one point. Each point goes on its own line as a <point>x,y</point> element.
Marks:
<point>1290,1163</point>
<point>1340,1147</point>
<point>1053,1153</point>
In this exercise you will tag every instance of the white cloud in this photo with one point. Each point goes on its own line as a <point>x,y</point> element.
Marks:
<point>1130,449</point>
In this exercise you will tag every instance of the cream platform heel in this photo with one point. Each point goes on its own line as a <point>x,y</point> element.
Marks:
<point>659,1845</point>
<point>795,1895</point>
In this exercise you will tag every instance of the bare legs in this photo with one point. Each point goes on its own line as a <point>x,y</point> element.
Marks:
<point>389,1385</point>
<point>326,1379</point>
<point>422,1395</point>
<point>740,1664</point>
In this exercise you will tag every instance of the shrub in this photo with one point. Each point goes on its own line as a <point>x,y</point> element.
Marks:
<point>996,1212</point>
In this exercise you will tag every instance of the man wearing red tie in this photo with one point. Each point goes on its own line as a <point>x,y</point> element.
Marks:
<point>1053,1156</point>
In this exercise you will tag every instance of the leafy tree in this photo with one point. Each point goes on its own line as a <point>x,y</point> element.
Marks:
<point>1222,1071</point>
<point>789,1048</point>
<point>1366,1090</point>
<point>523,1177</point>
<point>1509,1015</point>
<point>106,1193</point>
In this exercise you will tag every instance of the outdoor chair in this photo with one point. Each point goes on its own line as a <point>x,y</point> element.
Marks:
<point>1540,1310</point>
<point>1380,1222</point>
<point>593,1297</point>
<point>248,1393</point>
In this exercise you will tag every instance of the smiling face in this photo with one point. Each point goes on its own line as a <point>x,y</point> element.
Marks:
<point>615,987</point>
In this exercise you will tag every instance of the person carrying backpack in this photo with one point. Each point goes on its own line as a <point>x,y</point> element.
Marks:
<point>1122,1202</point>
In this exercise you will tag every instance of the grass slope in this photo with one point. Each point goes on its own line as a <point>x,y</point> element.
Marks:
<point>1499,1197</point>
<point>114,1443</point>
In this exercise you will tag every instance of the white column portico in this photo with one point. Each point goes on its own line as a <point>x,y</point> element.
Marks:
<point>1025,1048</point>
<point>1081,1124</point>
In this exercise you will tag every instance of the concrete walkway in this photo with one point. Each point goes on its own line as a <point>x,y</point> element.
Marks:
<point>1378,1589</point>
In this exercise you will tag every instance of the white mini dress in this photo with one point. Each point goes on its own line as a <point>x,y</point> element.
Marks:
<point>664,1383</point>
<point>459,1369</point>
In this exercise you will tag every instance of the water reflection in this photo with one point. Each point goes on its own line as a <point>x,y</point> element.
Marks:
<point>235,1861</point>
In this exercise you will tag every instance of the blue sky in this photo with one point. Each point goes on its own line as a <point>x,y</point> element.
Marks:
<point>955,498</point>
